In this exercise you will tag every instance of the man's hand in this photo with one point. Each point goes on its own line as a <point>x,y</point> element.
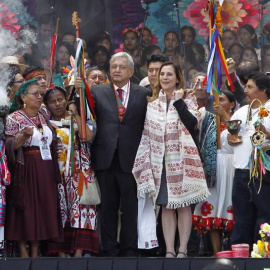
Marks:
<point>262,128</point>
<point>234,139</point>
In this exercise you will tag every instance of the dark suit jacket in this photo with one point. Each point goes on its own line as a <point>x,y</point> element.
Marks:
<point>126,135</point>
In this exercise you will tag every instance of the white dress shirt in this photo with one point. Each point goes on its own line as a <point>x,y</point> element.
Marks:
<point>125,93</point>
<point>242,152</point>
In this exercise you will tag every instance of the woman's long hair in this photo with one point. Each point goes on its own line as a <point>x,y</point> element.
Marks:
<point>179,76</point>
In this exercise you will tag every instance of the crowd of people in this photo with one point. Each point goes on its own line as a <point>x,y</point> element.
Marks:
<point>151,147</point>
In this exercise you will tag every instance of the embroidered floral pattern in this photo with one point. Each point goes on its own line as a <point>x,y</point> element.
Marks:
<point>206,208</point>
<point>81,216</point>
<point>163,135</point>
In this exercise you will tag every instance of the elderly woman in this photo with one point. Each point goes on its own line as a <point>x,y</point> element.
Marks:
<point>33,212</point>
<point>168,165</point>
<point>79,221</point>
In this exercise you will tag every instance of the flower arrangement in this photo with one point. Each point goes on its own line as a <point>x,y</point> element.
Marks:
<point>263,112</point>
<point>262,248</point>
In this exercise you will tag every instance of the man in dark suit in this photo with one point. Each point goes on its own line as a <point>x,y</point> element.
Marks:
<point>120,109</point>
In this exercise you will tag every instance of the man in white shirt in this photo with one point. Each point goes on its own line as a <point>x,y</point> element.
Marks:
<point>251,208</point>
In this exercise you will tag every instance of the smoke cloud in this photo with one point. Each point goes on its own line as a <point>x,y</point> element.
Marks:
<point>9,44</point>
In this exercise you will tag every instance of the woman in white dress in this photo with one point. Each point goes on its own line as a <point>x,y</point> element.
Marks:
<point>216,214</point>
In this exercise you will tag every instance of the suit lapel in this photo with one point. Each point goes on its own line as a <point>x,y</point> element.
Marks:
<point>111,99</point>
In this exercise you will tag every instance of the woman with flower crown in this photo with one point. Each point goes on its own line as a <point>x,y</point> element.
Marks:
<point>131,39</point>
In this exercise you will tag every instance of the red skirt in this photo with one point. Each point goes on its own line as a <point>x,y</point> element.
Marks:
<point>83,239</point>
<point>40,217</point>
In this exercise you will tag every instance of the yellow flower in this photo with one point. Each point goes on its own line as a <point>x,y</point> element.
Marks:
<point>266,227</point>
<point>261,246</point>
<point>255,255</point>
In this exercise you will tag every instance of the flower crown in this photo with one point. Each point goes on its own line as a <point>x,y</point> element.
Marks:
<point>129,30</point>
<point>233,29</point>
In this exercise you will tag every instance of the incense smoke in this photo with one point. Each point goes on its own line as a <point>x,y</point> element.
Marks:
<point>9,44</point>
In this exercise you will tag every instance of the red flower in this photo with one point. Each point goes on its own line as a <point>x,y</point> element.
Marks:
<point>206,208</point>
<point>230,209</point>
<point>234,13</point>
<point>8,19</point>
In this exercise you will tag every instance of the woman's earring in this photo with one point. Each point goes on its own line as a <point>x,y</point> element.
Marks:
<point>24,105</point>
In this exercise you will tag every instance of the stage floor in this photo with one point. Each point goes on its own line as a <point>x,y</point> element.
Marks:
<point>124,264</point>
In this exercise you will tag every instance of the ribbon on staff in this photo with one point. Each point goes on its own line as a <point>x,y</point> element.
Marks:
<point>216,56</point>
<point>217,60</point>
<point>52,52</point>
<point>79,64</point>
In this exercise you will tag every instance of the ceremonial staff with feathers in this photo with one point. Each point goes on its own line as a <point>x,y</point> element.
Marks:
<point>216,59</point>
<point>85,96</point>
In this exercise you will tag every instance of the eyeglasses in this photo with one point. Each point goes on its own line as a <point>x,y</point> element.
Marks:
<point>37,94</point>
<point>20,81</point>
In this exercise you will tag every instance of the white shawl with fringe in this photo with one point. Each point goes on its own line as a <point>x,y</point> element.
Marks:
<point>166,136</point>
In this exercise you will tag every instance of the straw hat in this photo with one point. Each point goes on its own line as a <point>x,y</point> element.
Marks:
<point>13,61</point>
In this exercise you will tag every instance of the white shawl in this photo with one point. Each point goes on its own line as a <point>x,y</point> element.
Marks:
<point>166,136</point>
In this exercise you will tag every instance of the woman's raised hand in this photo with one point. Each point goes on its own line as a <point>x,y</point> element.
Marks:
<point>73,109</point>
<point>218,109</point>
<point>178,94</point>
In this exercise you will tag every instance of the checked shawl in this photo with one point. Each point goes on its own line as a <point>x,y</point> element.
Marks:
<point>165,136</point>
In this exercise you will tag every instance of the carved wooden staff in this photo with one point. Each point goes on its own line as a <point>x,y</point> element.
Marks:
<point>218,122</point>
<point>76,22</point>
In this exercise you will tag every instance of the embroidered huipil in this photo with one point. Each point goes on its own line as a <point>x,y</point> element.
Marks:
<point>80,216</point>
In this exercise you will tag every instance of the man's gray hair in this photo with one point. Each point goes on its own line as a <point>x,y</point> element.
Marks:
<point>123,55</point>
<point>198,74</point>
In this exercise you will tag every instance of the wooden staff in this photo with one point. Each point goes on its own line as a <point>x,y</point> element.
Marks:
<point>76,22</point>
<point>218,121</point>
